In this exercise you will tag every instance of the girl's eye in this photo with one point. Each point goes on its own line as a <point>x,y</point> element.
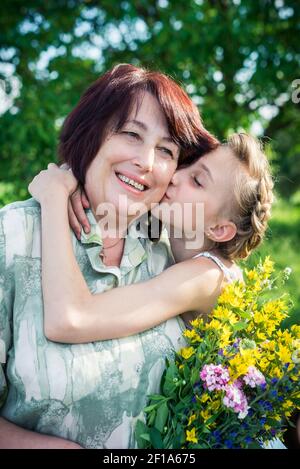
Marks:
<point>167,151</point>
<point>197,182</point>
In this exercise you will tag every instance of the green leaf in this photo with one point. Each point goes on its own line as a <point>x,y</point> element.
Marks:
<point>141,430</point>
<point>240,326</point>
<point>156,439</point>
<point>161,417</point>
<point>150,408</point>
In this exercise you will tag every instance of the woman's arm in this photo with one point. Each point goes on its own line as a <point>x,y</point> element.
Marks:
<point>14,437</point>
<point>73,314</point>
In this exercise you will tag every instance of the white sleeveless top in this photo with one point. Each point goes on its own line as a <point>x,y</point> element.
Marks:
<point>228,274</point>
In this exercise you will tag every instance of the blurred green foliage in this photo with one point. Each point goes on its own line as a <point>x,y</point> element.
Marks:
<point>282,244</point>
<point>237,58</point>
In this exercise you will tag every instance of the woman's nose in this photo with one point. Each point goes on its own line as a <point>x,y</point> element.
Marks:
<point>175,179</point>
<point>145,159</point>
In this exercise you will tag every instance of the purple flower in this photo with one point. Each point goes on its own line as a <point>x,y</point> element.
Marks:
<point>254,377</point>
<point>215,377</point>
<point>236,400</point>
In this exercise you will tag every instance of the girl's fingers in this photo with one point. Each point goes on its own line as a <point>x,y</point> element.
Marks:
<point>73,221</point>
<point>84,199</point>
<point>51,165</point>
<point>79,210</point>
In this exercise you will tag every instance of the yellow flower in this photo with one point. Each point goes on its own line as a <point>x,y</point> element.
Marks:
<point>205,397</point>
<point>295,329</point>
<point>240,363</point>
<point>187,352</point>
<point>258,317</point>
<point>224,314</point>
<point>205,414</point>
<point>197,323</point>
<point>191,419</point>
<point>192,335</point>
<point>233,295</point>
<point>288,407</point>
<point>267,267</point>
<point>261,335</point>
<point>267,427</point>
<point>276,372</point>
<point>215,405</point>
<point>263,363</point>
<point>214,324</point>
<point>251,274</point>
<point>225,337</point>
<point>284,354</point>
<point>191,436</point>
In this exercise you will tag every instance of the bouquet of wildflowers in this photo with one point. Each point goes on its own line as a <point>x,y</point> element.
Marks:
<point>237,381</point>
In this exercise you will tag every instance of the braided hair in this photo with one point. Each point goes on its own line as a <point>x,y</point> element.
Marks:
<point>253,196</point>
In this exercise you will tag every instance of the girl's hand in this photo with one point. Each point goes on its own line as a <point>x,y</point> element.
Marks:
<point>51,181</point>
<point>77,216</point>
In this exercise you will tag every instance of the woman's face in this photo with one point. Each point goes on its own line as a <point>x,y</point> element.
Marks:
<point>209,182</point>
<point>137,161</point>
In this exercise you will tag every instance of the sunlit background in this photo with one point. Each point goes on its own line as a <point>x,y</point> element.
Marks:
<point>238,59</point>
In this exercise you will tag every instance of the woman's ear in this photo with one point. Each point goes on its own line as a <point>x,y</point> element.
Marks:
<point>224,231</point>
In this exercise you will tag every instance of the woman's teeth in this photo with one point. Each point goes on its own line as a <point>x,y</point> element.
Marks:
<point>131,182</point>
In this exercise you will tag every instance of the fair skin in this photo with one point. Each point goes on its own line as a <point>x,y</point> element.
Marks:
<point>73,314</point>
<point>141,150</point>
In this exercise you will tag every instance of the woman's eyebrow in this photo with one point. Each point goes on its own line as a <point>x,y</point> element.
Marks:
<point>138,123</point>
<point>144,127</point>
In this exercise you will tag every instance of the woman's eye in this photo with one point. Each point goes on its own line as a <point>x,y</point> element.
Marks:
<point>131,134</point>
<point>167,151</point>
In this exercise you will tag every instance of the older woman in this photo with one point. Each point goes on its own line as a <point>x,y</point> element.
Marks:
<point>126,137</point>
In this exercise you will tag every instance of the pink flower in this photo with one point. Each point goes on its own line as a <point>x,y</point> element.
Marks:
<point>236,400</point>
<point>254,377</point>
<point>215,377</point>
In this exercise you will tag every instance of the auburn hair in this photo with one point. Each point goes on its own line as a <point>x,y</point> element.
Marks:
<point>111,98</point>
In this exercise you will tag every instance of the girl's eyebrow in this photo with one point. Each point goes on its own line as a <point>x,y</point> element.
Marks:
<point>203,166</point>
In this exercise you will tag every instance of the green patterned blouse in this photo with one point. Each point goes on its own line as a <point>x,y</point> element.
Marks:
<point>88,393</point>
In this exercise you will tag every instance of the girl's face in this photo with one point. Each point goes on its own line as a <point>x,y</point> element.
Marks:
<point>137,162</point>
<point>209,182</point>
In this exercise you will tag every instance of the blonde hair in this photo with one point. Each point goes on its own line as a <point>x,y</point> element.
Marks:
<point>253,196</point>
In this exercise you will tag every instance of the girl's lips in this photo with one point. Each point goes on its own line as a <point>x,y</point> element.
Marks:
<point>130,188</point>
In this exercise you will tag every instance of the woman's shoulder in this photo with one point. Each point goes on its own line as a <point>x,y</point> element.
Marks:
<point>29,207</point>
<point>19,226</point>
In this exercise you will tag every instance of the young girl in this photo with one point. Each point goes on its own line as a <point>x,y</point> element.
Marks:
<point>234,185</point>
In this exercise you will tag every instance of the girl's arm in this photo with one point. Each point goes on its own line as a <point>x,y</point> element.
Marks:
<point>74,315</point>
